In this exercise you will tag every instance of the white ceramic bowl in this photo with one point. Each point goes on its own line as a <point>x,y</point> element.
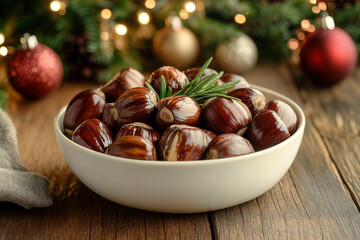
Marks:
<point>182,187</point>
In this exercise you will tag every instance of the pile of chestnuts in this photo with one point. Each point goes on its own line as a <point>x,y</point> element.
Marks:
<point>127,119</point>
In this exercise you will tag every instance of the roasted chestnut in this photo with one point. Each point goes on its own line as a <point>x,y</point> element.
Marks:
<point>177,110</point>
<point>230,77</point>
<point>228,145</point>
<point>209,135</point>
<point>93,134</point>
<point>126,79</point>
<point>139,129</point>
<point>85,105</point>
<point>174,78</point>
<point>224,115</point>
<point>252,98</point>
<point>135,105</point>
<point>266,130</point>
<point>108,118</point>
<point>192,72</point>
<point>134,147</point>
<point>183,143</point>
<point>285,112</point>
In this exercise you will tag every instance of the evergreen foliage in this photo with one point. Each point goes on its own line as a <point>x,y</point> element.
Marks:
<point>270,23</point>
<point>2,98</point>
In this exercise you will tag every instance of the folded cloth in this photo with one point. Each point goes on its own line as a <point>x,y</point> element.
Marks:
<point>17,185</point>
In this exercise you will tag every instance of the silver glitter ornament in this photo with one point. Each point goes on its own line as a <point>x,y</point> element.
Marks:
<point>237,55</point>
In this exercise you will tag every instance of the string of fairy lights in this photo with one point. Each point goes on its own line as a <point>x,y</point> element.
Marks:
<point>146,29</point>
<point>318,7</point>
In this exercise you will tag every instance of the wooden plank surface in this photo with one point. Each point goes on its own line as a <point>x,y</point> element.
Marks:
<point>335,112</point>
<point>77,212</point>
<point>318,197</point>
<point>311,201</point>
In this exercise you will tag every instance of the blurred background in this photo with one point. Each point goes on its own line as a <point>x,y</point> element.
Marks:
<point>96,39</point>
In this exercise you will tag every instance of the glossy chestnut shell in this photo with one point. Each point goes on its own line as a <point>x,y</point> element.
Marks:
<point>285,112</point>
<point>223,115</point>
<point>139,129</point>
<point>93,134</point>
<point>134,147</point>
<point>108,118</point>
<point>177,110</point>
<point>251,97</point>
<point>135,105</point>
<point>267,130</point>
<point>192,72</point>
<point>230,77</point>
<point>85,105</point>
<point>228,145</point>
<point>209,135</point>
<point>182,143</point>
<point>126,79</point>
<point>174,78</point>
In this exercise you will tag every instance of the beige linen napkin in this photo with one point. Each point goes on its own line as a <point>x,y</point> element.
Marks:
<point>17,185</point>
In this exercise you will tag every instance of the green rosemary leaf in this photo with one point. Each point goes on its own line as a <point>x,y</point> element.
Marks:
<point>186,81</point>
<point>228,85</point>
<point>162,87</point>
<point>168,92</point>
<point>201,100</point>
<point>201,83</point>
<point>211,95</point>
<point>184,89</point>
<point>152,89</point>
<point>209,88</point>
<point>211,81</point>
<point>202,70</point>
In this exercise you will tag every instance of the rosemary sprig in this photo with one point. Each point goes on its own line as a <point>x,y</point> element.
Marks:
<point>200,89</point>
<point>152,89</point>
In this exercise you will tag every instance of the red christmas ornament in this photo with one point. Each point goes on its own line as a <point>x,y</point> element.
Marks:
<point>328,55</point>
<point>36,70</point>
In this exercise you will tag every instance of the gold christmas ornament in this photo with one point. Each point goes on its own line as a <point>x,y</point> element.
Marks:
<point>176,45</point>
<point>238,55</point>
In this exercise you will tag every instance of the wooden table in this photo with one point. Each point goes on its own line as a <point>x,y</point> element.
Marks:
<point>319,197</point>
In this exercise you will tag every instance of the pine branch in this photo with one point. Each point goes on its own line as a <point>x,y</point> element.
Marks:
<point>3,98</point>
<point>347,15</point>
<point>88,14</point>
<point>212,32</point>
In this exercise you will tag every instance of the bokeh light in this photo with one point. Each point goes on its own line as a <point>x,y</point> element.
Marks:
<point>184,14</point>
<point>293,44</point>
<point>150,4</point>
<point>55,6</point>
<point>3,51</point>
<point>104,36</point>
<point>315,9</point>
<point>301,36</point>
<point>322,6</point>
<point>305,24</point>
<point>190,7</point>
<point>311,28</point>
<point>144,18</point>
<point>240,18</point>
<point>106,13</point>
<point>120,29</point>
<point>2,38</point>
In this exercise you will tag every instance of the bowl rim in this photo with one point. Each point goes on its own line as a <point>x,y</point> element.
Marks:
<point>300,130</point>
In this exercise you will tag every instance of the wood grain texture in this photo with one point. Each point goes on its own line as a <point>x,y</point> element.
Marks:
<point>317,199</point>
<point>77,212</point>
<point>310,202</point>
<point>335,112</point>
